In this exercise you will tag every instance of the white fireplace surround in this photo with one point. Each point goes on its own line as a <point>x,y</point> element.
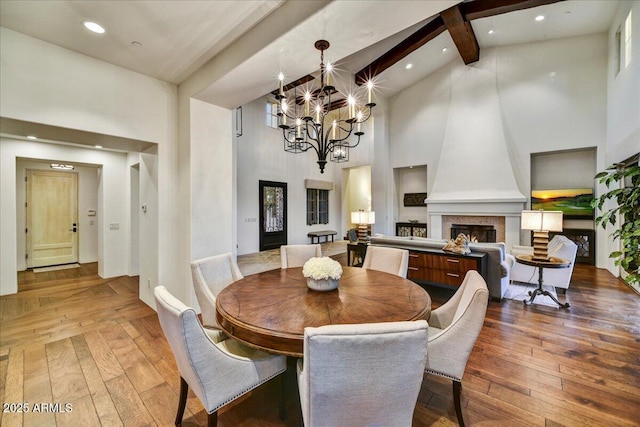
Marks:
<point>510,210</point>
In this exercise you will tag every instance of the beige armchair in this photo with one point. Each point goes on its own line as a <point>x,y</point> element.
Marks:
<point>217,372</point>
<point>559,247</point>
<point>389,260</point>
<point>210,275</point>
<point>453,330</point>
<point>296,255</point>
<point>362,374</point>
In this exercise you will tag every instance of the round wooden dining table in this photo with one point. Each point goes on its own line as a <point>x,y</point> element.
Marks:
<point>270,310</point>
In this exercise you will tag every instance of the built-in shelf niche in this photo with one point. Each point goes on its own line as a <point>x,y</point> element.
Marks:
<point>410,181</point>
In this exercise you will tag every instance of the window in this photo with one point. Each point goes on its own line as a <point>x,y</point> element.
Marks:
<point>317,206</point>
<point>272,114</point>
<point>627,40</point>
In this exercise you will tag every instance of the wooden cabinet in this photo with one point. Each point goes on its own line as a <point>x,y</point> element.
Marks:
<point>443,268</point>
<point>415,229</point>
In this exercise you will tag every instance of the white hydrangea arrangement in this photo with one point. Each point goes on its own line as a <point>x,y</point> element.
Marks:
<point>322,268</point>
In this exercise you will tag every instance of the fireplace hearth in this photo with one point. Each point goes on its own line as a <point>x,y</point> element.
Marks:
<point>475,232</point>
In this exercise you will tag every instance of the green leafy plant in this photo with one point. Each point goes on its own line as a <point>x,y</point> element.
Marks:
<point>628,210</point>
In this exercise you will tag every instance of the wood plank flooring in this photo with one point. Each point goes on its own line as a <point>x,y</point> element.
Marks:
<point>90,346</point>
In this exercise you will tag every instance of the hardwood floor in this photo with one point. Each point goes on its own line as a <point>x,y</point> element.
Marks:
<point>70,337</point>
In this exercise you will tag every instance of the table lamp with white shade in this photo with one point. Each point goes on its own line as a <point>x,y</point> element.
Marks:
<point>541,222</point>
<point>363,219</point>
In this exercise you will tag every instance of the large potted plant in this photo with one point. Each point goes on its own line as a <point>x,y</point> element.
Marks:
<point>627,211</point>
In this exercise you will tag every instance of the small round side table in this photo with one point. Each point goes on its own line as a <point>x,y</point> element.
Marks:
<point>552,262</point>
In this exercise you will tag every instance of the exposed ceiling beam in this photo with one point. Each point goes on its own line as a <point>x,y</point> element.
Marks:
<point>296,83</point>
<point>485,8</point>
<point>416,40</point>
<point>468,11</point>
<point>462,34</point>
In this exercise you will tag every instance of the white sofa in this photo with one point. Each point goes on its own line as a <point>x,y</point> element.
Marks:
<point>559,247</point>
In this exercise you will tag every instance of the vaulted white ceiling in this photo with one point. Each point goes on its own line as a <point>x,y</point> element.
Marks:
<point>176,38</point>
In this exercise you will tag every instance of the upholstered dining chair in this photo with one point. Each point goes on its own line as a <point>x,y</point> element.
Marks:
<point>453,330</point>
<point>362,374</point>
<point>210,275</point>
<point>389,260</point>
<point>217,372</point>
<point>297,255</point>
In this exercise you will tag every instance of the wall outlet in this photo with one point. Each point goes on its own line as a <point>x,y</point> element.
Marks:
<point>114,226</point>
<point>149,283</point>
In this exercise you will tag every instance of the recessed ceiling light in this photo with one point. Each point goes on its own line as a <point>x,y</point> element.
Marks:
<point>136,44</point>
<point>490,31</point>
<point>444,49</point>
<point>98,146</point>
<point>408,66</point>
<point>92,26</point>
<point>540,18</point>
<point>32,137</point>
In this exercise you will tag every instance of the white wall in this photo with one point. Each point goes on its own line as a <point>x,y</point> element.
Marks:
<point>552,96</point>
<point>112,204</point>
<point>87,199</point>
<point>410,180</point>
<point>623,118</point>
<point>623,99</point>
<point>43,83</point>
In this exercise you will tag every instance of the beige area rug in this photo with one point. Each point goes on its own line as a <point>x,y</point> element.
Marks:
<point>270,260</point>
<point>55,268</point>
<point>520,292</point>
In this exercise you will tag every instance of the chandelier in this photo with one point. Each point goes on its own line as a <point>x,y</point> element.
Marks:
<point>327,135</point>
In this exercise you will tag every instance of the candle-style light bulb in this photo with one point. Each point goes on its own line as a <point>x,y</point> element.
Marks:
<point>299,126</point>
<point>333,130</point>
<point>284,108</point>
<point>281,78</point>
<point>352,106</point>
<point>369,90</point>
<point>307,101</point>
<point>329,69</point>
<point>359,118</point>
<point>318,109</point>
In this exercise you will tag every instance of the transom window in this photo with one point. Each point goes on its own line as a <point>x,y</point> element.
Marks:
<point>272,114</point>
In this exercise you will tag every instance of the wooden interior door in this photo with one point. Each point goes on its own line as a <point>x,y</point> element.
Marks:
<point>273,214</point>
<point>52,218</point>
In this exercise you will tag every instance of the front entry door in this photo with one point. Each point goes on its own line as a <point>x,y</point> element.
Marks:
<point>273,214</point>
<point>52,218</point>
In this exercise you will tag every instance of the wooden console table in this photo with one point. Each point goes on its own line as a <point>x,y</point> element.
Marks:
<point>437,267</point>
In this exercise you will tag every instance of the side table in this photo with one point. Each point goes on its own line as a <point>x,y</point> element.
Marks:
<point>359,250</point>
<point>552,262</point>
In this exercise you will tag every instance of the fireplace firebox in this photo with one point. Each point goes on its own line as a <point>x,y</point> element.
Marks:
<point>475,232</point>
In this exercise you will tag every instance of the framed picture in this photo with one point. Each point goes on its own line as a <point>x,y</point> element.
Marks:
<point>415,199</point>
<point>575,203</point>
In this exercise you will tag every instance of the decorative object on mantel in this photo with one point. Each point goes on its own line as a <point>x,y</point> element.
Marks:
<point>323,274</point>
<point>458,246</point>
<point>302,131</point>
<point>541,222</point>
<point>415,199</point>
